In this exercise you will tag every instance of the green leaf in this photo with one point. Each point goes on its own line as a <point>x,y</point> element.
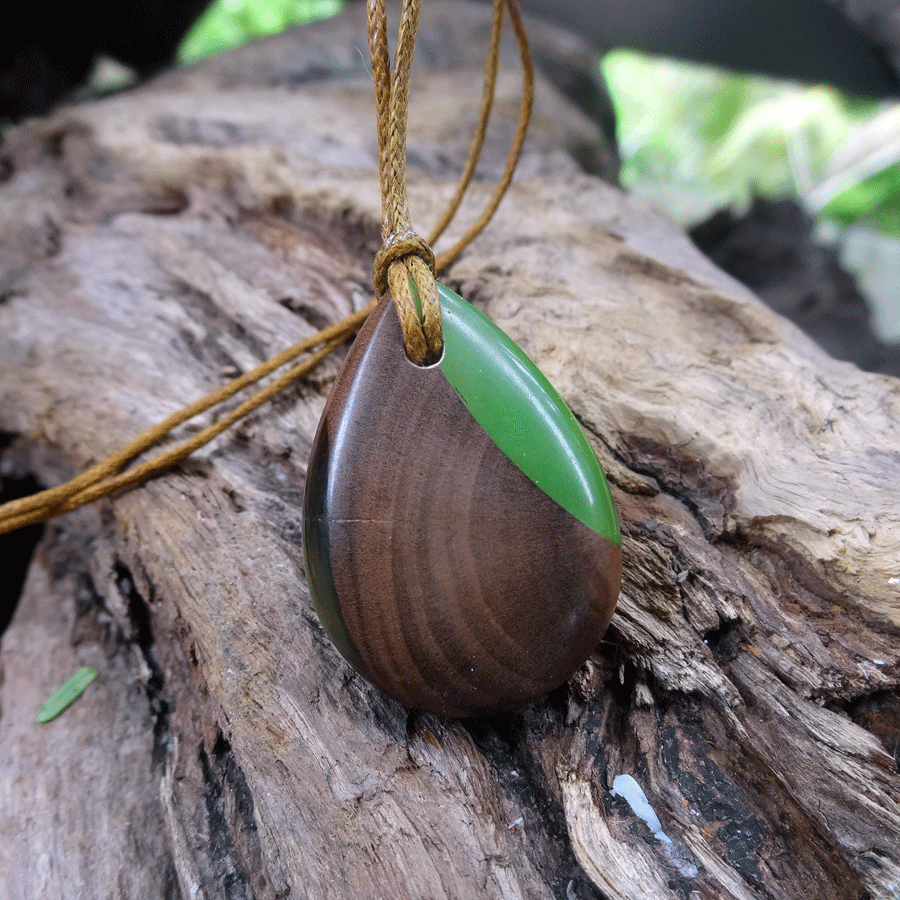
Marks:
<point>66,694</point>
<point>875,201</point>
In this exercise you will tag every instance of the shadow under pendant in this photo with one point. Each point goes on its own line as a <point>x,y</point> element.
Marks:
<point>461,544</point>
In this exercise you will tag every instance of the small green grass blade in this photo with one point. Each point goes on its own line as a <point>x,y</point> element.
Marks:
<point>66,694</point>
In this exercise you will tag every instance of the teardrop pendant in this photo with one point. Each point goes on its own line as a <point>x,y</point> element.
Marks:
<point>461,544</point>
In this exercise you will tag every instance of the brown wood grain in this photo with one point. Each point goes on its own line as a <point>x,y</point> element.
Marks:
<point>448,578</point>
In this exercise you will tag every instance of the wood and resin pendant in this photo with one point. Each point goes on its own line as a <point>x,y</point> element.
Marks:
<point>461,544</point>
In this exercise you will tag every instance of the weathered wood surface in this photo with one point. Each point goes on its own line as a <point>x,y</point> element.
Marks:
<point>152,242</point>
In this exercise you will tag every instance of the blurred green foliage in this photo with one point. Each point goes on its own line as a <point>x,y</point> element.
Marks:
<point>230,23</point>
<point>875,201</point>
<point>694,138</point>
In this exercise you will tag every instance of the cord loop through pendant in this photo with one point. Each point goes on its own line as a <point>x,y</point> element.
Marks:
<point>398,247</point>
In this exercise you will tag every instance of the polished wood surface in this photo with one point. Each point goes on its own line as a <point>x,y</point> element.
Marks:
<point>442,573</point>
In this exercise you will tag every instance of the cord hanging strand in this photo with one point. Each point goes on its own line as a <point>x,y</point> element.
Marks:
<point>515,14</point>
<point>405,264</point>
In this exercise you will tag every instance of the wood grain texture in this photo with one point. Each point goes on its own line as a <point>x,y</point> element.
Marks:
<point>750,677</point>
<point>443,573</point>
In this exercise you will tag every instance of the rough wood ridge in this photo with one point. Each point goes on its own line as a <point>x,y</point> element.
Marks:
<point>154,242</point>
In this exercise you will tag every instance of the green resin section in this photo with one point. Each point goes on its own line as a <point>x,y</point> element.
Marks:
<point>522,413</point>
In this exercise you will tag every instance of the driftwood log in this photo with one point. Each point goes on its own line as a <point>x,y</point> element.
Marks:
<point>153,243</point>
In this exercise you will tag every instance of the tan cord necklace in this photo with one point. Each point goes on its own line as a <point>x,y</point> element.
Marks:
<point>404,257</point>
